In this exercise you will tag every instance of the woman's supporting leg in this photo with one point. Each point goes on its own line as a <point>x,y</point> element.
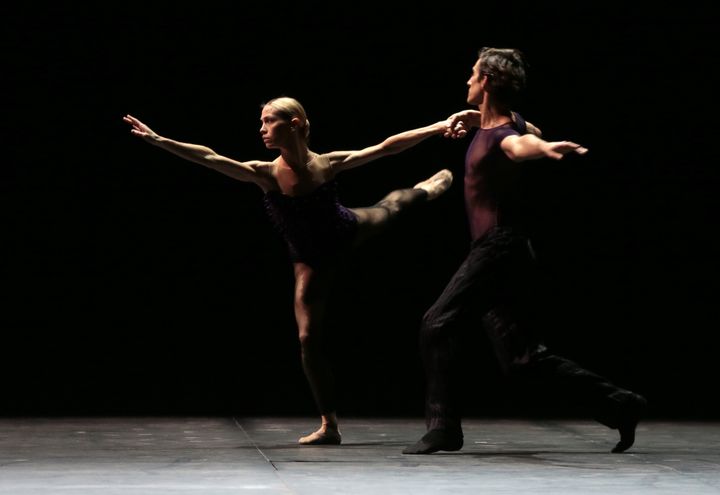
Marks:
<point>311,289</point>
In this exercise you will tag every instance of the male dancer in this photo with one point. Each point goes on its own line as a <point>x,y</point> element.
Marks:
<point>492,286</point>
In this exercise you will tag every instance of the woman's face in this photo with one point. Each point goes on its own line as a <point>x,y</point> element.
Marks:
<point>274,130</point>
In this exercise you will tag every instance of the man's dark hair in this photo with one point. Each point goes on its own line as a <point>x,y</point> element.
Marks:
<point>505,69</point>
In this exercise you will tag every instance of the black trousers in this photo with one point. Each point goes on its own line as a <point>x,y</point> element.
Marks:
<point>495,290</point>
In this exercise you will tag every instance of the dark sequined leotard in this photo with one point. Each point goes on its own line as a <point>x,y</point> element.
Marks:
<point>315,227</point>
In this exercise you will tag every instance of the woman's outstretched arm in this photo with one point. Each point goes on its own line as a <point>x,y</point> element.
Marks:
<point>253,171</point>
<point>344,160</point>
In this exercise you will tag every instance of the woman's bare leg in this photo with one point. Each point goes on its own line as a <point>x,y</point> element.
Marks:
<point>311,289</point>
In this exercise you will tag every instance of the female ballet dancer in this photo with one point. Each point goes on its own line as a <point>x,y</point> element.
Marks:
<point>301,200</point>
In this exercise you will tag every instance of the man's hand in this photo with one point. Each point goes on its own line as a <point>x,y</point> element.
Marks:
<point>558,149</point>
<point>458,124</point>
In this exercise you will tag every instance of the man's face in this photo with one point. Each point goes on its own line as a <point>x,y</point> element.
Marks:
<point>476,84</point>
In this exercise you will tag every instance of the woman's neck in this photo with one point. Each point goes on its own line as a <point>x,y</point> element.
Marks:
<point>297,157</point>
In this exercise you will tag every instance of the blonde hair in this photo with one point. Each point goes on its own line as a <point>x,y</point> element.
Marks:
<point>290,108</point>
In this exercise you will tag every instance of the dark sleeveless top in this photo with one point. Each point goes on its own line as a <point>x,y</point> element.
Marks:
<point>491,180</point>
<point>315,226</point>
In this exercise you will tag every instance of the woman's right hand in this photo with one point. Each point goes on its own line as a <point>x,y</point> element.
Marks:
<point>141,130</point>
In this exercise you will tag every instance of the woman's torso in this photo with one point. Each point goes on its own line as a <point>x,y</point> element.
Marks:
<point>305,209</point>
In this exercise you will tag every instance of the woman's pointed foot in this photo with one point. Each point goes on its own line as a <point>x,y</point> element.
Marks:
<point>437,184</point>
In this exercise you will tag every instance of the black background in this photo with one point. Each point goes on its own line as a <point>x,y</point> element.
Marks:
<point>137,283</point>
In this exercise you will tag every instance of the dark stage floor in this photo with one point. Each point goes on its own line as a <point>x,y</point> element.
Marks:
<point>259,455</point>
